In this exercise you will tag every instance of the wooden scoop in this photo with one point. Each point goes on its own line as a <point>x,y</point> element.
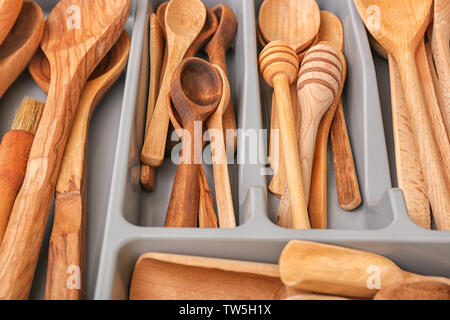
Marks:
<point>338,271</point>
<point>400,29</point>
<point>429,288</point>
<point>216,50</point>
<point>184,20</point>
<point>196,91</point>
<point>73,54</point>
<point>21,43</point>
<point>159,276</point>
<point>9,11</point>
<point>279,64</point>
<point>67,243</point>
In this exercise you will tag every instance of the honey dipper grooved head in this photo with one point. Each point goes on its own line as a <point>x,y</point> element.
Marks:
<point>278,58</point>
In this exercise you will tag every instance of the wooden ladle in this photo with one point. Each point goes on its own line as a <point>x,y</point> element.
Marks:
<point>9,11</point>
<point>196,91</point>
<point>184,20</point>
<point>339,271</point>
<point>429,288</point>
<point>73,54</point>
<point>67,242</point>
<point>21,43</point>
<point>400,28</point>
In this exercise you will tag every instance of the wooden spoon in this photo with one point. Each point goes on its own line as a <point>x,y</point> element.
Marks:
<point>184,21</point>
<point>216,50</point>
<point>429,288</point>
<point>21,43</point>
<point>208,31</point>
<point>441,51</point>
<point>400,30</point>
<point>338,271</point>
<point>73,54</point>
<point>67,243</point>
<point>224,196</point>
<point>295,22</point>
<point>9,11</point>
<point>159,276</point>
<point>196,90</point>
<point>279,66</point>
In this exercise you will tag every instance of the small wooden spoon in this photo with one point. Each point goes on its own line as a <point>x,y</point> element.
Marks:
<point>400,30</point>
<point>196,90</point>
<point>73,54</point>
<point>295,22</point>
<point>9,11</point>
<point>184,20</point>
<point>159,276</point>
<point>216,50</point>
<point>338,271</point>
<point>429,288</point>
<point>21,43</point>
<point>208,31</point>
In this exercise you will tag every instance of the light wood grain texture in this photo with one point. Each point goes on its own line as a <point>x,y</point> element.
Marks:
<point>184,20</point>
<point>441,52</point>
<point>196,91</point>
<point>83,48</point>
<point>9,11</point>
<point>208,31</point>
<point>68,239</point>
<point>214,124</point>
<point>400,30</point>
<point>216,50</point>
<point>159,276</point>
<point>295,22</point>
<point>279,66</point>
<point>19,46</point>
<point>429,288</point>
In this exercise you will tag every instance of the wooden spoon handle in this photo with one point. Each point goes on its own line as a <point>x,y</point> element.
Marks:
<point>206,215</point>
<point>438,191</point>
<point>349,196</point>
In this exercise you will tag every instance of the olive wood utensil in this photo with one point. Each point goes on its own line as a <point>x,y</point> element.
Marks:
<point>184,20</point>
<point>9,11</point>
<point>196,91</point>
<point>429,288</point>
<point>84,47</point>
<point>19,46</point>
<point>400,30</point>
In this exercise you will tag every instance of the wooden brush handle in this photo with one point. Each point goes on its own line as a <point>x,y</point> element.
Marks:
<point>14,152</point>
<point>438,191</point>
<point>349,196</point>
<point>206,215</point>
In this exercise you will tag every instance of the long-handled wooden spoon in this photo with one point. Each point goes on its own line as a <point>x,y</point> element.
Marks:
<point>196,91</point>
<point>279,65</point>
<point>67,243</point>
<point>9,11</point>
<point>400,29</point>
<point>336,270</point>
<point>73,54</point>
<point>20,44</point>
<point>430,288</point>
<point>184,20</point>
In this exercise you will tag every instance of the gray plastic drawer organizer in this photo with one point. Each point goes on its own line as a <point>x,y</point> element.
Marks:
<point>134,218</point>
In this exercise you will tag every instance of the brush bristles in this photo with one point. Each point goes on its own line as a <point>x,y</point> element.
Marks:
<point>28,116</point>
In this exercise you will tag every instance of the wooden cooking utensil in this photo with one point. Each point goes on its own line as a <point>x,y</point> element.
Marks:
<point>159,276</point>
<point>206,215</point>
<point>208,31</point>
<point>214,124</point>
<point>9,11</point>
<point>279,65</point>
<point>184,20</point>
<point>67,242</point>
<point>14,151</point>
<point>429,288</point>
<point>216,50</point>
<point>20,44</point>
<point>61,44</point>
<point>295,22</point>
<point>336,270</point>
<point>156,59</point>
<point>196,90</point>
<point>400,30</point>
<point>441,52</point>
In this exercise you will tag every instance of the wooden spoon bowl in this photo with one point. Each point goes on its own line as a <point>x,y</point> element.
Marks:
<point>9,11</point>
